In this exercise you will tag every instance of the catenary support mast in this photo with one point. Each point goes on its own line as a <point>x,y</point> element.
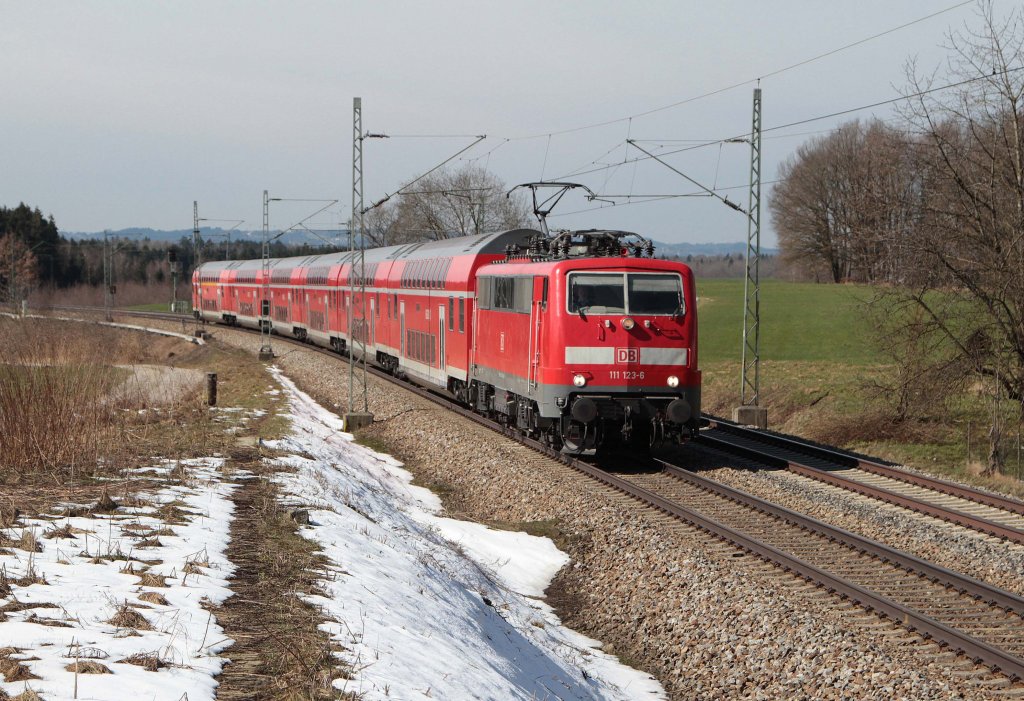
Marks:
<point>750,410</point>
<point>357,267</point>
<point>266,352</point>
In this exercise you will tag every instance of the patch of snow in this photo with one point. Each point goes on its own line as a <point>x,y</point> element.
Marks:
<point>86,584</point>
<point>425,606</point>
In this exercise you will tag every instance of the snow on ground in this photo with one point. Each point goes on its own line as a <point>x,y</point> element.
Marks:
<point>89,580</point>
<point>428,607</point>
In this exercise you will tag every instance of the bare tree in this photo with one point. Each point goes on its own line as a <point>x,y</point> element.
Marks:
<point>446,204</point>
<point>968,286</point>
<point>18,268</point>
<point>846,201</point>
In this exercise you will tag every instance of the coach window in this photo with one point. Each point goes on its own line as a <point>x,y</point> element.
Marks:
<point>462,315</point>
<point>451,313</point>
<point>435,273</point>
<point>429,275</point>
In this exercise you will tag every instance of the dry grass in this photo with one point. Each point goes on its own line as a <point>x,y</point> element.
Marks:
<point>8,513</point>
<point>127,617</point>
<point>88,667</point>
<point>172,513</point>
<point>28,542</point>
<point>53,383</point>
<point>63,532</point>
<point>150,662</point>
<point>67,412</point>
<point>14,671</point>
<point>151,597</point>
<point>27,695</point>
<point>148,579</point>
<point>280,654</point>
<point>50,622</point>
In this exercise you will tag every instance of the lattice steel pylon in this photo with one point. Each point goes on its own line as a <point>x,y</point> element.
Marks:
<point>197,256</point>
<point>750,380</point>
<point>357,267</point>
<point>108,277</point>
<point>266,351</point>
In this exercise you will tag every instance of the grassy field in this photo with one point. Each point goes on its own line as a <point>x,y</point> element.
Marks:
<point>823,377</point>
<point>799,321</point>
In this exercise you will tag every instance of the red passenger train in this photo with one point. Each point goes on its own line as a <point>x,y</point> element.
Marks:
<point>581,339</point>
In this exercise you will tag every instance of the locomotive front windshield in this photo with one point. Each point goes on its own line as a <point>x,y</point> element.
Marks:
<point>606,293</point>
<point>597,293</point>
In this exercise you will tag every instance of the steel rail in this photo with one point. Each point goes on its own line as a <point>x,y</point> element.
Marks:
<point>946,636</point>
<point>845,459</point>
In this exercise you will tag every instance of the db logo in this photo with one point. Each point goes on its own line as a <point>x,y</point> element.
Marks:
<point>627,355</point>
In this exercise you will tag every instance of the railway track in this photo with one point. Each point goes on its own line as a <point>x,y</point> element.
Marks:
<point>992,514</point>
<point>981,621</point>
<point>960,614</point>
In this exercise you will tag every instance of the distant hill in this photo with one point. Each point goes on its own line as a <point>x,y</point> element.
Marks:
<point>300,237</point>
<point>208,233</point>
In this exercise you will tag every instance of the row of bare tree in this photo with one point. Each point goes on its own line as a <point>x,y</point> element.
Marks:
<point>933,208</point>
<point>452,202</point>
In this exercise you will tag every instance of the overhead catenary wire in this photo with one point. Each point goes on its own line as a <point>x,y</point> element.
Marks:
<point>430,136</point>
<point>420,177</point>
<point>635,200</point>
<point>733,86</point>
<point>808,120</point>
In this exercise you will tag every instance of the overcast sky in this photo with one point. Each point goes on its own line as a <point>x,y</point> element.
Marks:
<point>120,114</point>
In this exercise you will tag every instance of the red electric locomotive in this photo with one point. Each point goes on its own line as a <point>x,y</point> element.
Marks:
<point>581,339</point>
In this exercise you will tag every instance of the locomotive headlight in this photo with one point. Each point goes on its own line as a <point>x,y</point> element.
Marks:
<point>627,323</point>
<point>673,381</point>
<point>579,380</point>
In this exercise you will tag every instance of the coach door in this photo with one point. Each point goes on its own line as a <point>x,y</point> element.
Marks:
<point>372,341</point>
<point>401,324</point>
<point>441,363</point>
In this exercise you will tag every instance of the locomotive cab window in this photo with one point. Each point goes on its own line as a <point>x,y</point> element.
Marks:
<point>650,294</point>
<point>597,293</point>
<point>660,294</point>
